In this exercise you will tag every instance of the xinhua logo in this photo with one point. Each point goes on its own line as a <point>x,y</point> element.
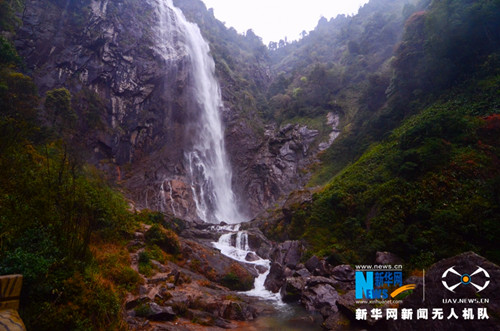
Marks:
<point>376,284</point>
<point>465,279</point>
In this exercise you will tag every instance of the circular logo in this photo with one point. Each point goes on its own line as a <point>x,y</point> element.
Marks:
<point>465,279</point>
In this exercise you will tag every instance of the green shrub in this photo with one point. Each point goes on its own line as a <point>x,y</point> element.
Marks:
<point>127,278</point>
<point>167,240</point>
<point>145,266</point>
<point>83,303</point>
<point>8,54</point>
<point>143,310</point>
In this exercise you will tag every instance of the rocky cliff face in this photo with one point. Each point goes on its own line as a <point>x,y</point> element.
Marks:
<point>108,48</point>
<point>107,54</point>
<point>270,167</point>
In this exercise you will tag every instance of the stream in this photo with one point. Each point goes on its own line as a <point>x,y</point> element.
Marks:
<point>233,243</point>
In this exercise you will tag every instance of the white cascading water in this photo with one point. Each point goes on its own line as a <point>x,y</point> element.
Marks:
<point>207,162</point>
<point>240,251</point>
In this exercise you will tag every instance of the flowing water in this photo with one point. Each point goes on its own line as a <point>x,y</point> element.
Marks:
<point>207,162</point>
<point>234,244</point>
<point>209,168</point>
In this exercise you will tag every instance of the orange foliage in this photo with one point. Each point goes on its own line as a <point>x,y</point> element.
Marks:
<point>492,122</point>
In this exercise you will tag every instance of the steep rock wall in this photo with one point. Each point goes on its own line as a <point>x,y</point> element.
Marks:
<point>108,49</point>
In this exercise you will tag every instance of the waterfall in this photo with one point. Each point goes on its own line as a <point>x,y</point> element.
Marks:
<point>207,163</point>
<point>171,193</point>
<point>239,250</point>
<point>242,240</point>
<point>162,197</point>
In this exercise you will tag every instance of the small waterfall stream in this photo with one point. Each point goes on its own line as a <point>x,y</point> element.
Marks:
<point>207,163</point>
<point>238,249</point>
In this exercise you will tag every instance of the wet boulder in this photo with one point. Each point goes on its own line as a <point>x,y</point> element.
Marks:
<point>287,253</point>
<point>320,296</point>
<point>275,279</point>
<point>259,243</point>
<point>292,290</point>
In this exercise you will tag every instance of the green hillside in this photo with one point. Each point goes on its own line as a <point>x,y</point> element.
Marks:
<point>428,191</point>
<point>419,174</point>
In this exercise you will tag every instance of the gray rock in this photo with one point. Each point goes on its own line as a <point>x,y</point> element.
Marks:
<point>296,199</point>
<point>292,289</point>
<point>287,272</point>
<point>320,296</point>
<point>199,234</point>
<point>312,263</point>
<point>224,324</point>
<point>272,169</point>
<point>139,236</point>
<point>322,269</point>
<point>251,257</point>
<point>202,317</point>
<point>239,311</point>
<point>275,279</point>
<point>135,245</point>
<point>261,269</point>
<point>304,273</point>
<point>287,253</point>
<point>387,258</point>
<point>143,290</point>
<point>315,280</point>
<point>259,243</point>
<point>159,278</point>
<point>343,273</point>
<point>176,274</point>
<point>159,313</point>
<point>145,102</point>
<point>134,302</point>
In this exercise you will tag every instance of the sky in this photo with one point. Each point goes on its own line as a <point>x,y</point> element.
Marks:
<point>272,20</point>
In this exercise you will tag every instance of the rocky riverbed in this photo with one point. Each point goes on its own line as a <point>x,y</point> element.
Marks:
<point>188,294</point>
<point>193,292</point>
